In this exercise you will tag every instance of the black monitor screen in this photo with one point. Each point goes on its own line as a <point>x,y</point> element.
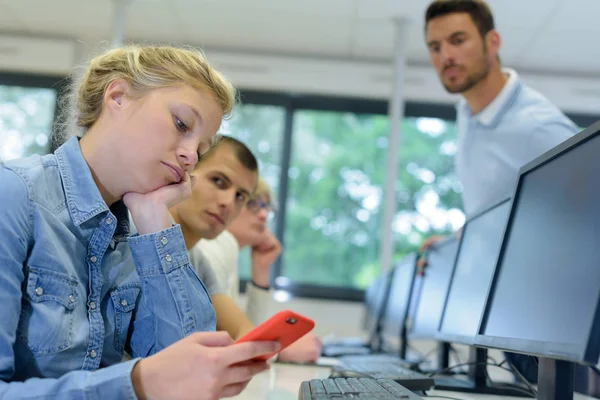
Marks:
<point>374,298</point>
<point>433,289</point>
<point>547,284</point>
<point>399,296</point>
<point>473,271</point>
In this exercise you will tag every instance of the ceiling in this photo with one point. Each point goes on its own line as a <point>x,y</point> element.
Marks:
<point>538,35</point>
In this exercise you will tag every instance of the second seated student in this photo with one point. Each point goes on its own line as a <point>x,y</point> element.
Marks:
<point>76,288</point>
<point>250,230</point>
<point>227,177</point>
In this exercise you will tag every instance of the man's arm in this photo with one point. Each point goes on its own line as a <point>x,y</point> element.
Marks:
<point>230,317</point>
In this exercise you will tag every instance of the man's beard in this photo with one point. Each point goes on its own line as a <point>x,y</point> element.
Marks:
<point>473,78</point>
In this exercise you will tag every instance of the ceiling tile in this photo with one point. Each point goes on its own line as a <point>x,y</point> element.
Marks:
<point>269,31</point>
<point>154,21</point>
<point>73,18</point>
<point>8,19</point>
<point>563,50</point>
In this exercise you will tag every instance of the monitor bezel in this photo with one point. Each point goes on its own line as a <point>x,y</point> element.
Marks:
<point>590,352</point>
<point>452,337</point>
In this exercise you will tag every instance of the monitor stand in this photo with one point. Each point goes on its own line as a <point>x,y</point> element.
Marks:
<point>477,379</point>
<point>444,355</point>
<point>555,379</point>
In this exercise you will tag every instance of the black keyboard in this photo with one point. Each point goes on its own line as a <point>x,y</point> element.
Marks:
<point>387,367</point>
<point>339,351</point>
<point>354,388</point>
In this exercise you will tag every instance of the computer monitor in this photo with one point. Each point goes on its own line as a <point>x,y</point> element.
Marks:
<point>545,293</point>
<point>480,242</point>
<point>475,264</point>
<point>375,301</point>
<point>433,289</point>
<point>394,314</point>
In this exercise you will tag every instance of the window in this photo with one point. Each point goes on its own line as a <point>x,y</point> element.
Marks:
<point>28,105</point>
<point>26,117</point>
<point>336,176</point>
<point>260,127</point>
<point>428,191</point>
<point>335,186</point>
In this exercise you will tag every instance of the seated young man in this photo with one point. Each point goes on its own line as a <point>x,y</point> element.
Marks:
<point>250,230</point>
<point>226,178</point>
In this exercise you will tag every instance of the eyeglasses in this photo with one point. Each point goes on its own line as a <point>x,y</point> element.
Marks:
<point>255,205</point>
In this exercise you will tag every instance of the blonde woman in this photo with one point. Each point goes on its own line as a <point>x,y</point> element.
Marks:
<point>76,288</point>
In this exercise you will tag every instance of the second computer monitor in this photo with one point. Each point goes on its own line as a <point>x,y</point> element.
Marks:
<point>473,271</point>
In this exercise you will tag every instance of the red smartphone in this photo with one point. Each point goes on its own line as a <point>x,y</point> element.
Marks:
<point>284,327</point>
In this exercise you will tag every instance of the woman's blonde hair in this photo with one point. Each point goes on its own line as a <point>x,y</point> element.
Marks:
<point>263,190</point>
<point>144,68</point>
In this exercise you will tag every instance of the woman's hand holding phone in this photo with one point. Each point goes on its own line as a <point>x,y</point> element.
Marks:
<point>285,327</point>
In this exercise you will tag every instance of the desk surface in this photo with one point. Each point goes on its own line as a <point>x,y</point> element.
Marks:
<point>282,382</point>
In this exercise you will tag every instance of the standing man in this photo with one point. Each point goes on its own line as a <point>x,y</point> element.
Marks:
<point>502,123</point>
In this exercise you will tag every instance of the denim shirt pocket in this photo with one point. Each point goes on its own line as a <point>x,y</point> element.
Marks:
<point>46,322</point>
<point>124,302</point>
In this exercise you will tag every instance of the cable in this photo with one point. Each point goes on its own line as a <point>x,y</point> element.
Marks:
<point>456,354</point>
<point>519,375</point>
<point>454,367</point>
<point>493,359</point>
<point>423,357</point>
<point>531,389</point>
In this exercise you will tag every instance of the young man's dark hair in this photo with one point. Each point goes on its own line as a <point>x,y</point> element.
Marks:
<point>242,152</point>
<point>478,10</point>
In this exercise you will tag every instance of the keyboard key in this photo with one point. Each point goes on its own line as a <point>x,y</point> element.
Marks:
<point>372,385</point>
<point>331,387</point>
<point>316,386</point>
<point>344,386</point>
<point>357,386</point>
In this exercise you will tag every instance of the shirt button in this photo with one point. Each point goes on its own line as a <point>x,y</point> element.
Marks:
<point>92,305</point>
<point>109,221</point>
<point>93,259</point>
<point>72,298</point>
<point>124,303</point>
<point>168,258</point>
<point>164,241</point>
<point>39,291</point>
<point>93,354</point>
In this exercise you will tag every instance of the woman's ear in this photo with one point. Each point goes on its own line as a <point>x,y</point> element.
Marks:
<point>115,95</point>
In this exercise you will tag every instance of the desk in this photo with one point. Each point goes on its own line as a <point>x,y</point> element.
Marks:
<point>282,382</point>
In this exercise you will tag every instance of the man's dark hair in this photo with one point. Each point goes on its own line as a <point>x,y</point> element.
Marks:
<point>241,151</point>
<point>478,10</point>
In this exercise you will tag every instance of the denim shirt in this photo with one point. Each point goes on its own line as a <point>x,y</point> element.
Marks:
<point>77,290</point>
